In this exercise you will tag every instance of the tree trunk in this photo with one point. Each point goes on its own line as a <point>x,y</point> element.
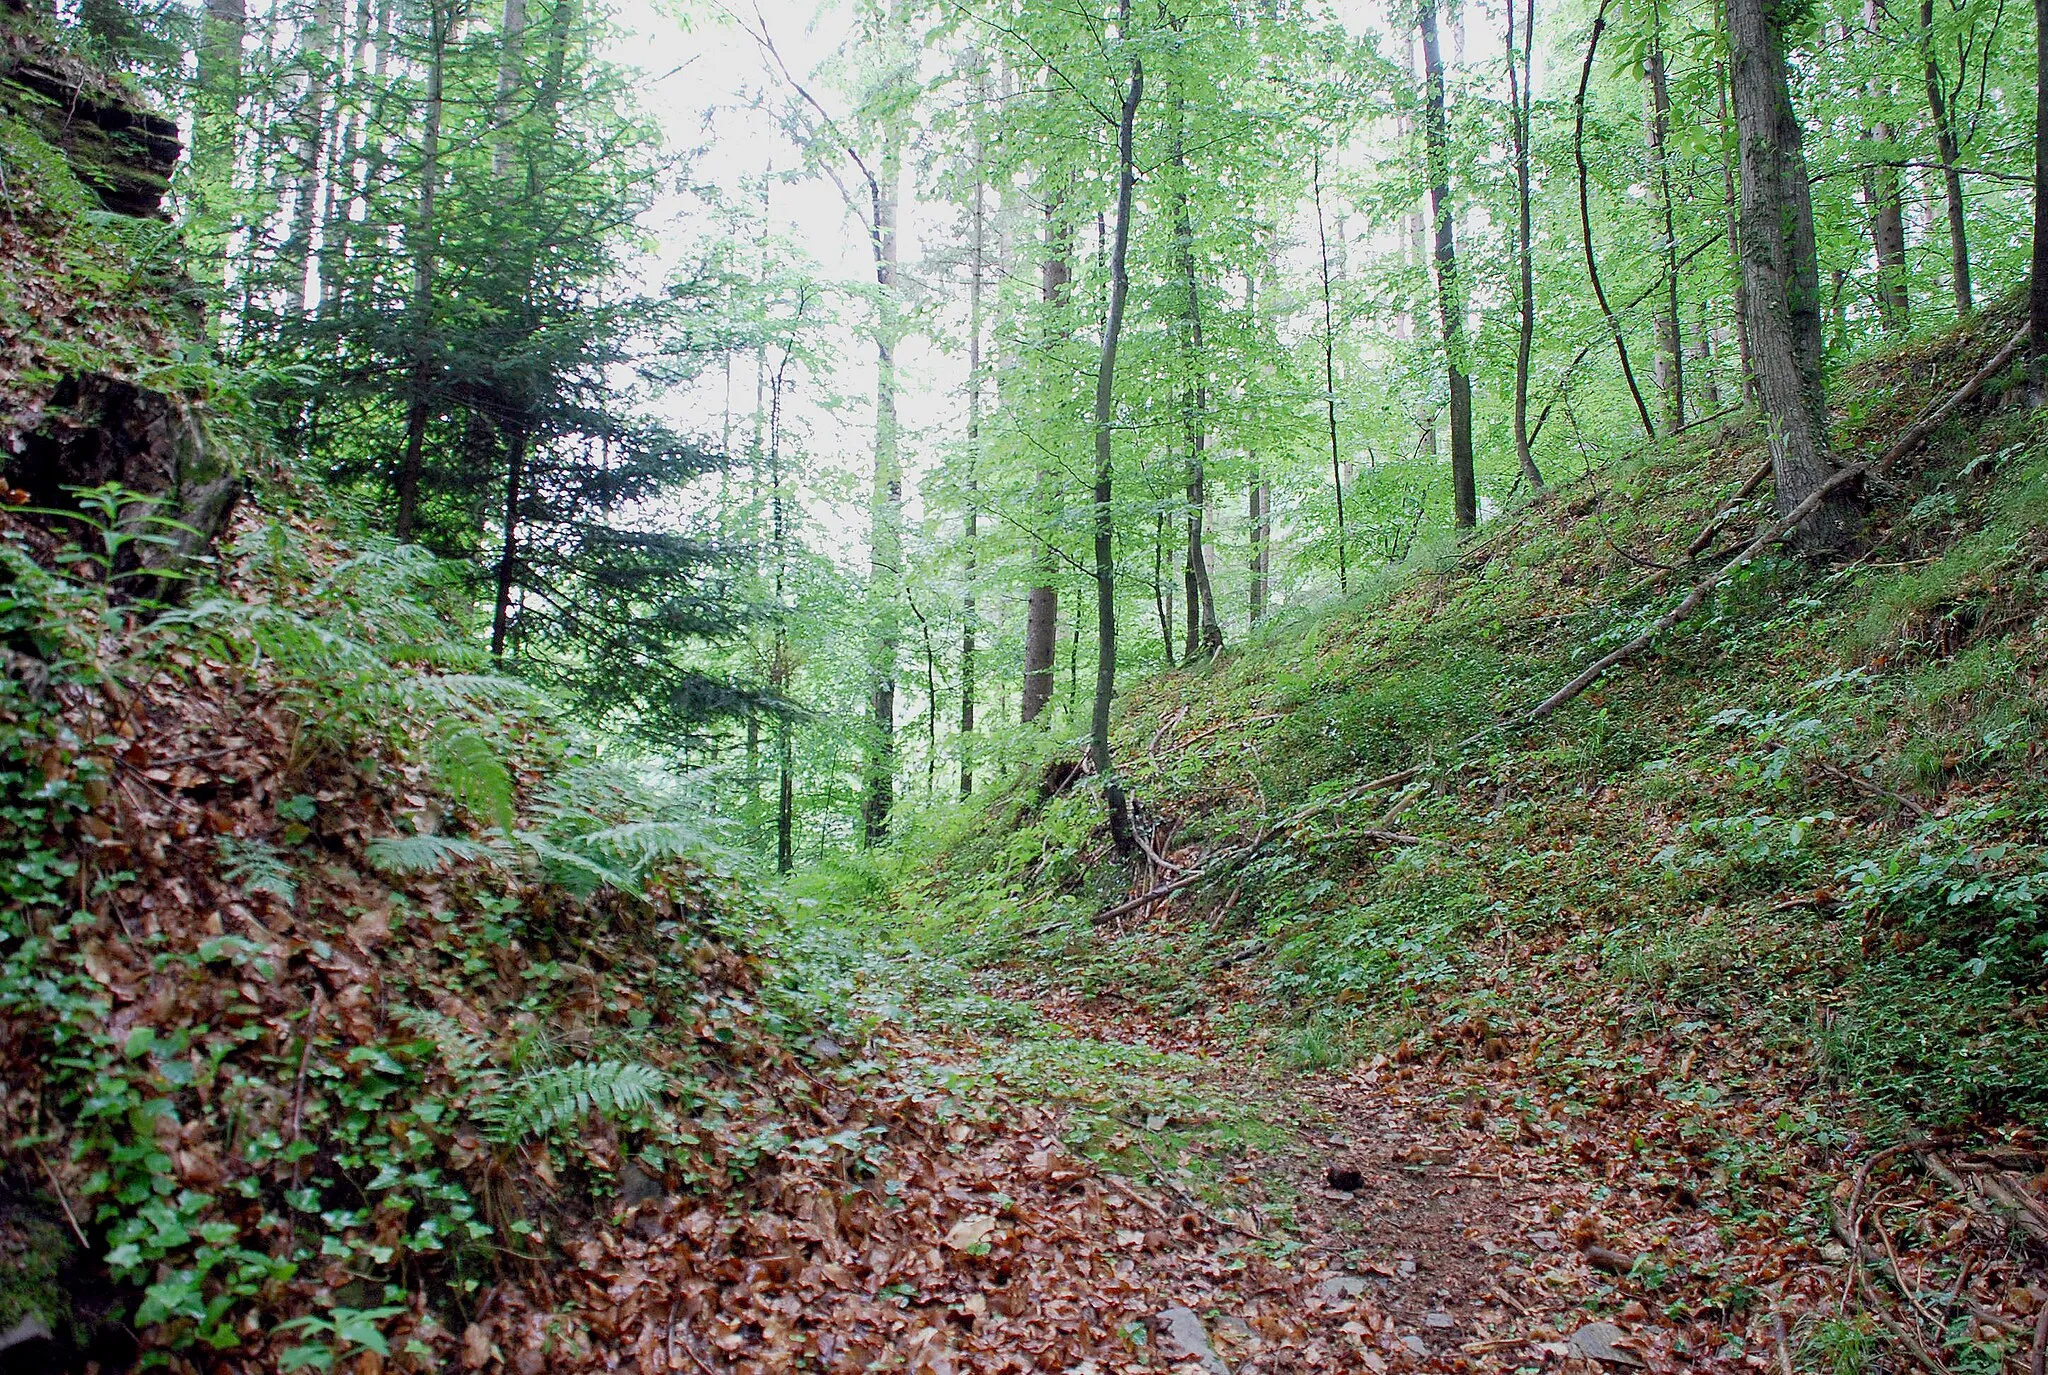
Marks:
<point>1950,152</point>
<point>511,65</point>
<point>515,471</point>
<point>977,263</point>
<point>1733,205</point>
<point>1162,586</point>
<point>296,253</point>
<point>1628,373</point>
<point>425,257</point>
<point>1105,405</point>
<point>885,513</point>
<point>1887,211</point>
<point>1330,377</point>
<point>1781,274</point>
<point>1258,522</point>
<point>1042,601</point>
<point>1450,299</point>
<point>1522,97</point>
<point>1670,338</point>
<point>1205,631</point>
<point>1703,363</point>
<point>2037,290</point>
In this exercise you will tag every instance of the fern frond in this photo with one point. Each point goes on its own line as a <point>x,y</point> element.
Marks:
<point>471,772</point>
<point>423,854</point>
<point>640,845</point>
<point>460,1048</point>
<point>537,1103</point>
<point>257,867</point>
<point>579,873</point>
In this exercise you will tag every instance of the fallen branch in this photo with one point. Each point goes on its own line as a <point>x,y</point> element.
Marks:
<point>2001,1210</point>
<point>1743,493</point>
<point>1777,530</point>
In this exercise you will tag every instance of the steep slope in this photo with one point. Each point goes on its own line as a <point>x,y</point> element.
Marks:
<point>1756,900</point>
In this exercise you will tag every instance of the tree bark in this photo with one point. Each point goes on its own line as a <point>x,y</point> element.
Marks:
<point>296,253</point>
<point>1670,338</point>
<point>1950,152</point>
<point>1733,206</point>
<point>1105,405</point>
<point>511,64</point>
<point>885,547</point>
<point>1887,209</point>
<point>1628,373</point>
<point>1450,298</point>
<point>1522,97</point>
<point>2037,290</point>
<point>977,264</point>
<point>1042,601</point>
<point>1205,631</point>
<point>1781,276</point>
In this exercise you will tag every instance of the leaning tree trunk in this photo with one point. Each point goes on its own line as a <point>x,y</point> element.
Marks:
<point>1330,376</point>
<point>1105,526</point>
<point>1950,151</point>
<point>1628,372</point>
<point>1450,299</point>
<point>1781,275</point>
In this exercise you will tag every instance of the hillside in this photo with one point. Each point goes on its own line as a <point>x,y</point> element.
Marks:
<point>1674,960</point>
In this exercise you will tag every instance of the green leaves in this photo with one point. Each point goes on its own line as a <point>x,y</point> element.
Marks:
<point>470,770</point>
<point>540,1102</point>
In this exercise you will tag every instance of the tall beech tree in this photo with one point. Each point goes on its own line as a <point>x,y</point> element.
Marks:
<point>1781,273</point>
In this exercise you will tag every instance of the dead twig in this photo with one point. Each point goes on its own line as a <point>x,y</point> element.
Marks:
<point>1784,1343</point>
<point>57,1187</point>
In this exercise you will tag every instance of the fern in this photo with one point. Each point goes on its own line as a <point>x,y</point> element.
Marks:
<point>256,867</point>
<point>639,846</point>
<point>470,770</point>
<point>461,1050</point>
<point>579,873</point>
<point>423,854</point>
<point>537,1103</point>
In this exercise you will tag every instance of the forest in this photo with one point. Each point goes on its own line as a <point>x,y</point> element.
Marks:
<point>972,685</point>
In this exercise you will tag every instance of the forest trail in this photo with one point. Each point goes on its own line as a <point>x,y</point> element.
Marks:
<point>1455,1224</point>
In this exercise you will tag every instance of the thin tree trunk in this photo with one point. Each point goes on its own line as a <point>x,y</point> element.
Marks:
<point>1042,601</point>
<point>1628,373</point>
<point>1205,631</point>
<point>1782,276</point>
<point>1522,96</point>
<point>1261,528</point>
<point>885,505</point>
<point>779,666</point>
<point>1950,152</point>
<point>515,471</point>
<point>1330,377</point>
<point>511,65</point>
<point>297,250</point>
<point>2037,291</point>
<point>1105,404</point>
<point>1162,586</point>
<point>425,257</point>
<point>1703,363</point>
<point>1887,210</point>
<point>1733,205</point>
<point>978,253</point>
<point>1450,298</point>
<point>1670,338</point>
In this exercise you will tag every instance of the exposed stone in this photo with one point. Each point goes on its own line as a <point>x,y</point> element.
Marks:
<point>1182,1337</point>
<point>119,149</point>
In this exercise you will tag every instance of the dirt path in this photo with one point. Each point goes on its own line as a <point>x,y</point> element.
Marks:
<point>1464,1243</point>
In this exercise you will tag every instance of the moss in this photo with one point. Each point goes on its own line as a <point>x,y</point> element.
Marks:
<point>34,1254</point>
